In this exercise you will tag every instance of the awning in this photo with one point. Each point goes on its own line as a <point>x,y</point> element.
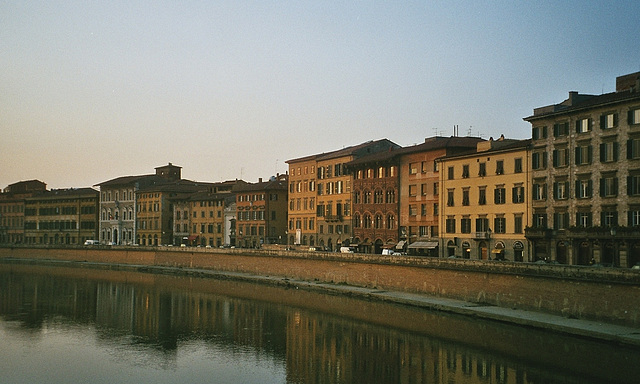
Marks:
<point>497,250</point>
<point>401,244</point>
<point>192,237</point>
<point>424,244</point>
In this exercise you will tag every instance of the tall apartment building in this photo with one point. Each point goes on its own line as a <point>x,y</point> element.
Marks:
<point>586,177</point>
<point>485,201</point>
<point>262,212</point>
<point>420,192</point>
<point>375,201</point>
<point>302,201</point>
<point>61,216</point>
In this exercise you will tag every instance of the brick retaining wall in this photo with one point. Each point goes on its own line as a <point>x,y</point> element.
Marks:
<point>605,294</point>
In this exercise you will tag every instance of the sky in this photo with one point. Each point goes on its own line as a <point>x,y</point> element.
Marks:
<point>94,90</point>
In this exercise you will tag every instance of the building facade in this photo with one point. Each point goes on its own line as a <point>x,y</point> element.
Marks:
<point>302,202</point>
<point>334,193</point>
<point>485,201</point>
<point>12,207</point>
<point>61,217</point>
<point>586,177</point>
<point>420,192</point>
<point>375,201</point>
<point>262,212</point>
<point>118,205</point>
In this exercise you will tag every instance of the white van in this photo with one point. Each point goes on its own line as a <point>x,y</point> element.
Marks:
<point>92,242</point>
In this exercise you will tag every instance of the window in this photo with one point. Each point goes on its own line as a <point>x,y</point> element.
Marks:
<point>450,173</point>
<point>413,168</point>
<point>561,129</point>
<point>633,116</point>
<point>608,186</point>
<point>367,197</point>
<point>539,160</point>
<point>539,132</point>
<point>540,220</point>
<point>633,185</point>
<point>435,209</point>
<point>482,170</point>
<point>633,149</point>
<point>482,224</point>
<point>608,152</point>
<point>500,225</point>
<point>435,188</point>
<point>423,209</point>
<point>560,157</point>
<point>465,196</point>
<point>425,166</point>
<point>517,223</point>
<point>584,154</point>
<point>517,194</point>
<point>539,191</point>
<point>499,195</point>
<point>517,168</point>
<point>451,224</point>
<point>584,188</point>
<point>465,171</point>
<point>465,225</point>
<point>561,190</point>
<point>583,219</point>
<point>378,197</point>
<point>413,190</point>
<point>609,217</point>
<point>499,167</point>
<point>634,217</point>
<point>450,198</point>
<point>482,196</point>
<point>412,210</point>
<point>608,120</point>
<point>583,125</point>
<point>423,189</point>
<point>561,220</point>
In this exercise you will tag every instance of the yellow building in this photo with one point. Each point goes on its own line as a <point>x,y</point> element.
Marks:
<point>485,201</point>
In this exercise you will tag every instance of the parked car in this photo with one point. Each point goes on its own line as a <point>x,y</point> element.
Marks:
<point>91,242</point>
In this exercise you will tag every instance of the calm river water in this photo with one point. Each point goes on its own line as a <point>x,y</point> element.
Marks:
<point>77,325</point>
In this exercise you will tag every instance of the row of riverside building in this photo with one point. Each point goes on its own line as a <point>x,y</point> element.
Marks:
<point>569,194</point>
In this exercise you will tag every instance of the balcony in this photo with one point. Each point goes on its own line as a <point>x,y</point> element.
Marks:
<point>482,235</point>
<point>332,218</point>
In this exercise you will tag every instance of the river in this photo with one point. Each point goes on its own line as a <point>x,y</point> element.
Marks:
<point>82,325</point>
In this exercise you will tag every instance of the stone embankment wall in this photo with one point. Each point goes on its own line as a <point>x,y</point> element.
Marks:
<point>604,294</point>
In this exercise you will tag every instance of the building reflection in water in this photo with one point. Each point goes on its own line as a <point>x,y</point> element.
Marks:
<point>151,315</point>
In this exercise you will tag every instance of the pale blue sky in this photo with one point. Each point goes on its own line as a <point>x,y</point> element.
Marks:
<point>93,90</point>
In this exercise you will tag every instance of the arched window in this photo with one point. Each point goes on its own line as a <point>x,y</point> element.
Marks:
<point>356,221</point>
<point>378,197</point>
<point>367,221</point>
<point>378,222</point>
<point>391,222</point>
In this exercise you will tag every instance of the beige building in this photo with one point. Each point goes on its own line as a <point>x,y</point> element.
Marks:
<point>302,202</point>
<point>485,201</point>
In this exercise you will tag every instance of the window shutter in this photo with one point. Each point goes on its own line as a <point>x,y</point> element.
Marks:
<point>630,117</point>
<point>629,149</point>
<point>601,187</point>
<point>565,217</point>
<point>578,156</point>
<point>544,132</point>
<point>615,151</point>
<point>589,154</point>
<point>535,160</point>
<point>566,129</point>
<point>555,128</point>
<point>603,121</point>
<point>615,219</point>
<point>566,156</point>
<point>555,157</point>
<point>615,119</point>
<point>615,186</point>
<point>590,188</point>
<point>544,159</point>
<point>555,221</point>
<point>602,154</point>
<point>629,218</point>
<point>555,190</point>
<point>514,195</point>
<point>577,126</point>
<point>629,186</point>
<point>578,189</point>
